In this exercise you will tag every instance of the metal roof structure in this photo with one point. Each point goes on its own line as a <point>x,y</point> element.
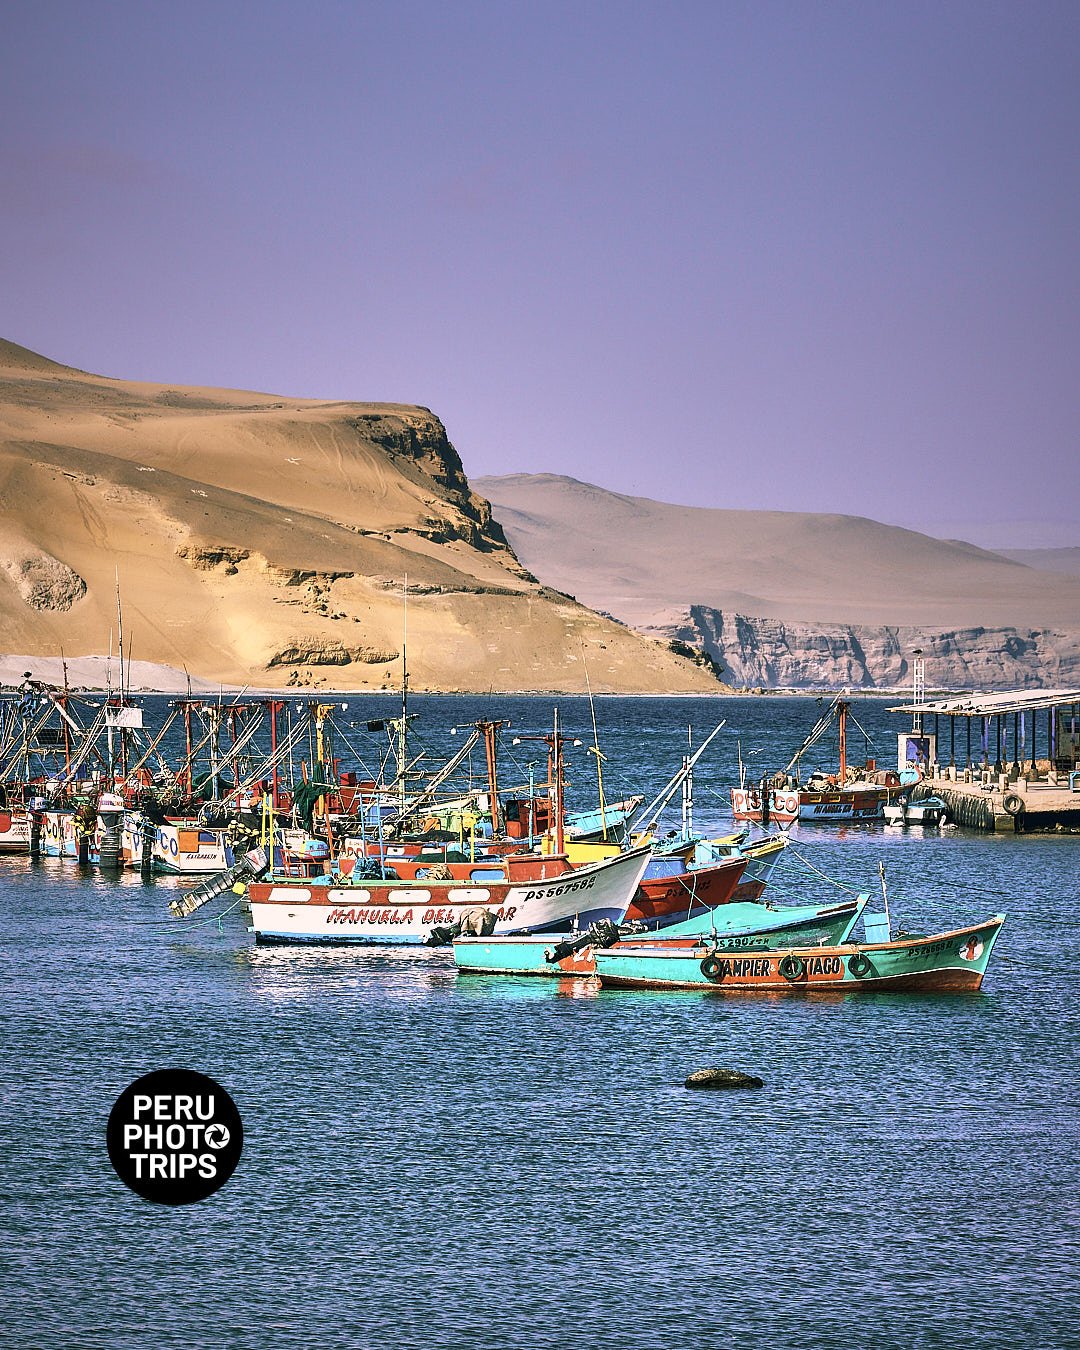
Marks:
<point>990,705</point>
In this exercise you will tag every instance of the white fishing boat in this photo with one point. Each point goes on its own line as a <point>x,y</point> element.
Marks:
<point>14,830</point>
<point>927,811</point>
<point>520,893</point>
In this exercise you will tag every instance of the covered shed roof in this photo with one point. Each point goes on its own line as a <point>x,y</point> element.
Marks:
<point>989,705</point>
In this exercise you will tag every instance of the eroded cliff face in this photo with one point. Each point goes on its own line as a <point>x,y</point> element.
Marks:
<point>770,653</point>
<point>419,442</point>
<point>277,542</point>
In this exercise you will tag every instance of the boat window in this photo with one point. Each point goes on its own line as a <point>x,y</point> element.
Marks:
<point>487,874</point>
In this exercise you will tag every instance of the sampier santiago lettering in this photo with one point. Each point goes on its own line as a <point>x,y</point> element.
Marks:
<point>758,967</point>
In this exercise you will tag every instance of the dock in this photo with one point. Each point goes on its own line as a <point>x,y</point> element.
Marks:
<point>1018,805</point>
<point>1014,766</point>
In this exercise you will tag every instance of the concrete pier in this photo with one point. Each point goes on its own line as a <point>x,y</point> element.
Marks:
<point>1003,802</point>
<point>1008,760</point>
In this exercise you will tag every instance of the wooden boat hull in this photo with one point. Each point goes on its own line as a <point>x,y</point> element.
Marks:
<point>405,911</point>
<point>661,898</point>
<point>739,928</point>
<point>952,962</point>
<point>15,831</point>
<point>787,805</point>
<point>186,848</point>
<point>59,838</point>
<point>761,856</point>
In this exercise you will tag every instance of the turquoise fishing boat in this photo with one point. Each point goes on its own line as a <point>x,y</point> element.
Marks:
<point>734,927</point>
<point>950,962</point>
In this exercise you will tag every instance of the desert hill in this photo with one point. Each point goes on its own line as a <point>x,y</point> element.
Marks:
<point>791,598</point>
<point>1065,560</point>
<point>264,540</point>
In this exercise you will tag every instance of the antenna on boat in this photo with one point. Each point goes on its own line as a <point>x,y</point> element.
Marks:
<point>594,749</point>
<point>885,896</point>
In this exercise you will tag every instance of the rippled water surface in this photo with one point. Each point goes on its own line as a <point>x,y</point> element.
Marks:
<point>443,1160</point>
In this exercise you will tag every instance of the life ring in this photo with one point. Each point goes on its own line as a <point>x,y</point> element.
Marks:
<point>859,965</point>
<point>713,968</point>
<point>1013,803</point>
<point>792,967</point>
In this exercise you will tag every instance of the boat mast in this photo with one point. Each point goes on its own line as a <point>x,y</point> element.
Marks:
<point>688,787</point>
<point>120,638</point>
<point>403,758</point>
<point>556,750</point>
<point>489,731</point>
<point>594,749</point>
<point>842,710</point>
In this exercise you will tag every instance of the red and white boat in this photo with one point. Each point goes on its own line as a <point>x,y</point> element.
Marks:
<point>848,795</point>
<point>14,830</point>
<point>523,893</point>
<point>682,894</point>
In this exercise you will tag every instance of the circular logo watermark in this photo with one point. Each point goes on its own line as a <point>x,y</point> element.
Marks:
<point>174,1136</point>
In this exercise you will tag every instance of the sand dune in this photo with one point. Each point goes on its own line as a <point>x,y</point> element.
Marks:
<point>262,540</point>
<point>647,561</point>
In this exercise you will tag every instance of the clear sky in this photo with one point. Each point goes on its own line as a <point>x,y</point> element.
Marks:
<point>798,256</point>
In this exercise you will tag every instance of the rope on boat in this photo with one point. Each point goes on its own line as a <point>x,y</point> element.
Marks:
<point>840,885</point>
<point>192,923</point>
<point>1030,965</point>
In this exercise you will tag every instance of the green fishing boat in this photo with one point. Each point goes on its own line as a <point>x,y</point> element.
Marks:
<point>950,962</point>
<point>735,927</point>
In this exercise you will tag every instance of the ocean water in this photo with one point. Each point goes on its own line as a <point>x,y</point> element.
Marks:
<point>457,1161</point>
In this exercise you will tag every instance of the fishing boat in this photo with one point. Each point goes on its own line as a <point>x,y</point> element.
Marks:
<point>926,811</point>
<point>849,794</point>
<point>731,928</point>
<point>672,857</point>
<point>524,892</point>
<point>949,962</point>
<point>664,893</point>
<point>15,825</point>
<point>187,847</point>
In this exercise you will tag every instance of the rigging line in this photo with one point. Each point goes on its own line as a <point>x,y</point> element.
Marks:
<point>241,743</point>
<point>87,745</point>
<point>861,727</point>
<point>818,872</point>
<point>151,749</point>
<point>170,927</point>
<point>1030,965</point>
<point>356,754</point>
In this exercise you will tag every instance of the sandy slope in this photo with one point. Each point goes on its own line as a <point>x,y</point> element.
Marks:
<point>646,561</point>
<point>264,540</point>
<point>1064,560</point>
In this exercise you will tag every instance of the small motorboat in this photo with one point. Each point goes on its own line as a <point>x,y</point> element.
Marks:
<point>925,811</point>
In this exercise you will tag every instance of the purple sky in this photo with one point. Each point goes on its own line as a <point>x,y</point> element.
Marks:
<point>804,256</point>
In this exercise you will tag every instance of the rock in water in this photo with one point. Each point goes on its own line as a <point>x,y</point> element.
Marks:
<point>723,1078</point>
